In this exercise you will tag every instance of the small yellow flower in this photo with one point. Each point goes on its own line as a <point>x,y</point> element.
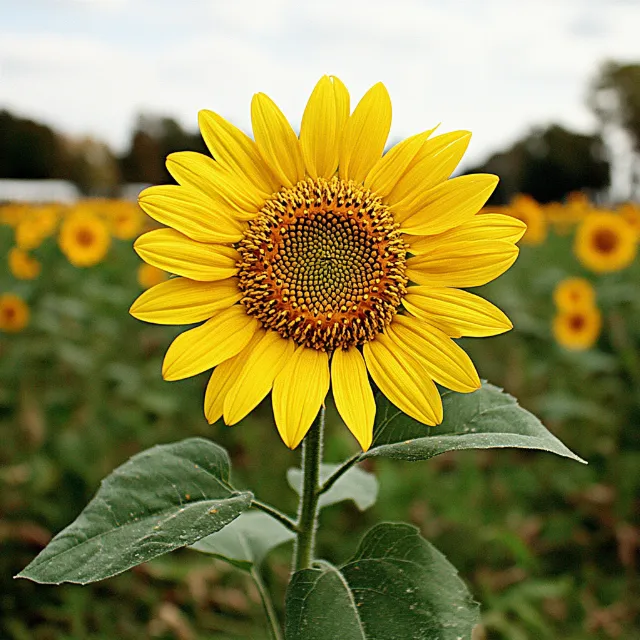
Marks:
<point>577,329</point>
<point>149,276</point>
<point>84,238</point>
<point>526,209</point>
<point>605,242</point>
<point>125,219</point>
<point>630,211</point>
<point>14,313</point>
<point>316,261</point>
<point>574,293</point>
<point>22,265</point>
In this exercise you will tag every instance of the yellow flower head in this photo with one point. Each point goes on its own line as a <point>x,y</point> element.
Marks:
<point>84,238</point>
<point>605,242</point>
<point>578,328</point>
<point>14,313</point>
<point>22,265</point>
<point>630,211</point>
<point>574,293</point>
<point>125,219</point>
<point>316,261</point>
<point>526,209</point>
<point>149,276</point>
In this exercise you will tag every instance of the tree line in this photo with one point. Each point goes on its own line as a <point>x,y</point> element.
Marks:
<point>547,163</point>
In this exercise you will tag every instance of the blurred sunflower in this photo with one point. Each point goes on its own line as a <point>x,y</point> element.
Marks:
<point>84,238</point>
<point>14,313</point>
<point>578,328</point>
<point>605,242</point>
<point>22,265</point>
<point>315,260</point>
<point>526,209</point>
<point>574,293</point>
<point>125,220</point>
<point>149,276</point>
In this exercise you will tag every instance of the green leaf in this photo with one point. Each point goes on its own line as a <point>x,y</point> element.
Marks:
<point>161,499</point>
<point>398,586</point>
<point>356,484</point>
<point>246,541</point>
<point>485,419</point>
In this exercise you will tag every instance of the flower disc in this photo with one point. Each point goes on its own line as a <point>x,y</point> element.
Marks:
<point>323,263</point>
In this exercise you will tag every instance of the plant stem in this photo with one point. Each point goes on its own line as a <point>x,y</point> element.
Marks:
<point>308,505</point>
<point>274,625</point>
<point>277,515</point>
<point>338,473</point>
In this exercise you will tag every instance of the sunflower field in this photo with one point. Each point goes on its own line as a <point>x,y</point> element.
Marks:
<point>550,549</point>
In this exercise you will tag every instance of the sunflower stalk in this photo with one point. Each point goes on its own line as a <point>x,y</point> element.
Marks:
<point>308,506</point>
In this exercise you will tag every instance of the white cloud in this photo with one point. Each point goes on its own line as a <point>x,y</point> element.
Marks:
<point>495,67</point>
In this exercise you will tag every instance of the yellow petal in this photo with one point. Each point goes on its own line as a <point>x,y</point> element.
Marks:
<point>255,380</point>
<point>458,313</point>
<point>483,226</point>
<point>206,346</point>
<point>184,301</point>
<point>322,124</point>
<point>434,163</point>
<point>389,169</point>
<point>365,134</point>
<point>447,205</point>
<point>276,140</point>
<point>299,391</point>
<point>403,380</point>
<point>236,151</point>
<point>446,362</point>
<point>172,252</point>
<point>462,264</point>
<point>223,378</point>
<point>190,212</point>
<point>226,189</point>
<point>352,394</point>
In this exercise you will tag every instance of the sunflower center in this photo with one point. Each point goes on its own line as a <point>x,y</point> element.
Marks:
<point>84,237</point>
<point>577,322</point>
<point>9,313</point>
<point>323,263</point>
<point>605,240</point>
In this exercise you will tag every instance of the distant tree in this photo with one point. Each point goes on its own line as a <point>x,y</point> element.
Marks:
<point>614,97</point>
<point>548,164</point>
<point>29,150</point>
<point>151,141</point>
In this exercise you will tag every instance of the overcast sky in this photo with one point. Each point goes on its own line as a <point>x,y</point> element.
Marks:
<point>496,67</point>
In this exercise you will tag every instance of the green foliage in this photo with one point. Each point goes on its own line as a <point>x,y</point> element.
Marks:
<point>485,419</point>
<point>356,485</point>
<point>396,586</point>
<point>162,499</point>
<point>246,541</point>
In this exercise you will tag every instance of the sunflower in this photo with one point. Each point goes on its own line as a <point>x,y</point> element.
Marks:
<point>605,242</point>
<point>577,329</point>
<point>316,261</point>
<point>22,265</point>
<point>84,238</point>
<point>573,293</point>
<point>149,276</point>
<point>14,313</point>
<point>125,219</point>
<point>526,209</point>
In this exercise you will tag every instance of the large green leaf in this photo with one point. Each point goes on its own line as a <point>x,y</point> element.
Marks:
<point>247,540</point>
<point>398,586</point>
<point>161,499</point>
<point>485,419</point>
<point>356,484</point>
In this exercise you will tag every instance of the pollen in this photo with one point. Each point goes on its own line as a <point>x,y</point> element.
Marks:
<point>323,264</point>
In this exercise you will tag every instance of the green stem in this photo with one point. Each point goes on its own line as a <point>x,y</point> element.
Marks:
<point>274,513</point>
<point>338,473</point>
<point>308,505</point>
<point>270,612</point>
